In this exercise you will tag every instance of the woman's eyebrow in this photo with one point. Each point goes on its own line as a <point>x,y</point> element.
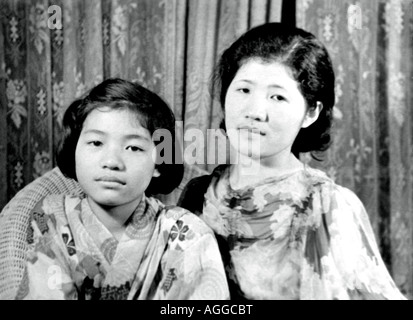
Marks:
<point>137,136</point>
<point>273,85</point>
<point>277,86</point>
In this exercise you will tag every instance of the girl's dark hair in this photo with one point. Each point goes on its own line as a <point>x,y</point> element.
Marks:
<point>309,62</point>
<point>153,113</point>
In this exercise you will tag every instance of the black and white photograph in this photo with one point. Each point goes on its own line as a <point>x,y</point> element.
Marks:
<point>209,150</point>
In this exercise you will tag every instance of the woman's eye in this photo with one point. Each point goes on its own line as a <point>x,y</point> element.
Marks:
<point>95,143</point>
<point>278,97</point>
<point>244,90</point>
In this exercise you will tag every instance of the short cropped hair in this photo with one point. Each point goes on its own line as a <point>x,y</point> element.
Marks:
<point>153,114</point>
<point>309,62</point>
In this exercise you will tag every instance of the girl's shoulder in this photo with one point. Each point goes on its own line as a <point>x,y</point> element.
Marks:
<point>185,220</point>
<point>56,208</point>
<point>175,217</point>
<point>56,202</point>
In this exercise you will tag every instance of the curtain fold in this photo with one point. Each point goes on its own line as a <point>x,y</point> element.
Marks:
<point>399,31</point>
<point>351,158</point>
<point>3,122</point>
<point>54,52</point>
<point>371,47</point>
<point>201,46</point>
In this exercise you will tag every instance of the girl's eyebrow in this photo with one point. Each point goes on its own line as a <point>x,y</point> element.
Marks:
<point>127,136</point>
<point>93,131</point>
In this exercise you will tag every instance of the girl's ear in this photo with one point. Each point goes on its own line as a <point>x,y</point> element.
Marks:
<point>156,173</point>
<point>312,115</point>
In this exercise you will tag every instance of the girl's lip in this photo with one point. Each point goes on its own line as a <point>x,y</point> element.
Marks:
<point>110,179</point>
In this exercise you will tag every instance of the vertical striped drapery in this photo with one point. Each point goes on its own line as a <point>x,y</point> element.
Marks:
<point>51,52</point>
<point>372,51</point>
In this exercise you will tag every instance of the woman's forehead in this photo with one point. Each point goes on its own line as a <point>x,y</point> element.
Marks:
<point>273,72</point>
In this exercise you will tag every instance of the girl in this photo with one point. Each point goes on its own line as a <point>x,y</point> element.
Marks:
<point>118,242</point>
<point>286,231</point>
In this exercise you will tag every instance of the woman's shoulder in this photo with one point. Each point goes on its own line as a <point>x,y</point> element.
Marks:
<point>317,179</point>
<point>204,180</point>
<point>332,194</point>
<point>192,197</point>
<point>320,177</point>
<point>198,183</point>
<point>316,176</point>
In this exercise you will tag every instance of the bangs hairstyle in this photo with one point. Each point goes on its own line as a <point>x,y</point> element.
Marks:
<point>153,114</point>
<point>311,67</point>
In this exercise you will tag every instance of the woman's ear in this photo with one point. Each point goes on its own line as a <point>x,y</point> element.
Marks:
<point>312,115</point>
<point>156,173</point>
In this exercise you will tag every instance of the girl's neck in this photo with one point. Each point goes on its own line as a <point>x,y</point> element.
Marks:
<point>249,171</point>
<point>114,218</point>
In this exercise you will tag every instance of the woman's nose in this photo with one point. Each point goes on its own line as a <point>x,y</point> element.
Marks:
<point>257,110</point>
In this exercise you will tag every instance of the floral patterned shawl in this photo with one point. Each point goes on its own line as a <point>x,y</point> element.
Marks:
<point>163,254</point>
<point>298,236</point>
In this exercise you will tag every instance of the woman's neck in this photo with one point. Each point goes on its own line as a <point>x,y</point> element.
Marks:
<point>114,218</point>
<point>248,171</point>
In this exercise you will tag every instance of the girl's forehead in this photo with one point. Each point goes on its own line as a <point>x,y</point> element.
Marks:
<point>105,115</point>
<point>126,112</point>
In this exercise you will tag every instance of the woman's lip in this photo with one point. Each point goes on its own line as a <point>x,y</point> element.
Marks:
<point>252,130</point>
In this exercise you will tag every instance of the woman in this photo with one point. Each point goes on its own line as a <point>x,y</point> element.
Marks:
<point>286,231</point>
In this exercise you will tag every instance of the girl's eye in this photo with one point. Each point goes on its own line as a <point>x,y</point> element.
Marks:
<point>134,148</point>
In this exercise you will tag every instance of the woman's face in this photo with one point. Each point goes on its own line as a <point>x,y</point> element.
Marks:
<point>114,163</point>
<point>264,110</point>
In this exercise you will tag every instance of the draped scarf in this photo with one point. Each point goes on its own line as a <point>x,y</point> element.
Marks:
<point>296,236</point>
<point>71,254</point>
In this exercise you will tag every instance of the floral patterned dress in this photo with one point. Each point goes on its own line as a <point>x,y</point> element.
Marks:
<point>164,253</point>
<point>297,236</point>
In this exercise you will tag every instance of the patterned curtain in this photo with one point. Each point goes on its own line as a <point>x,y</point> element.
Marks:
<point>371,43</point>
<point>52,51</point>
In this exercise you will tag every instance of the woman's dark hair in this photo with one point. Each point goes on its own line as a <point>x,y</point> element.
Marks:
<point>309,62</point>
<point>154,114</point>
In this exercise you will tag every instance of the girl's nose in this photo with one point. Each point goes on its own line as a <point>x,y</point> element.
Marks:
<point>112,160</point>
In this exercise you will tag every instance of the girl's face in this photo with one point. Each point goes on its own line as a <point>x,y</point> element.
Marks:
<point>114,164</point>
<point>264,110</point>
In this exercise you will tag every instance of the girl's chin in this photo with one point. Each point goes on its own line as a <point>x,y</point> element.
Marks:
<point>108,204</point>
<point>107,200</point>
